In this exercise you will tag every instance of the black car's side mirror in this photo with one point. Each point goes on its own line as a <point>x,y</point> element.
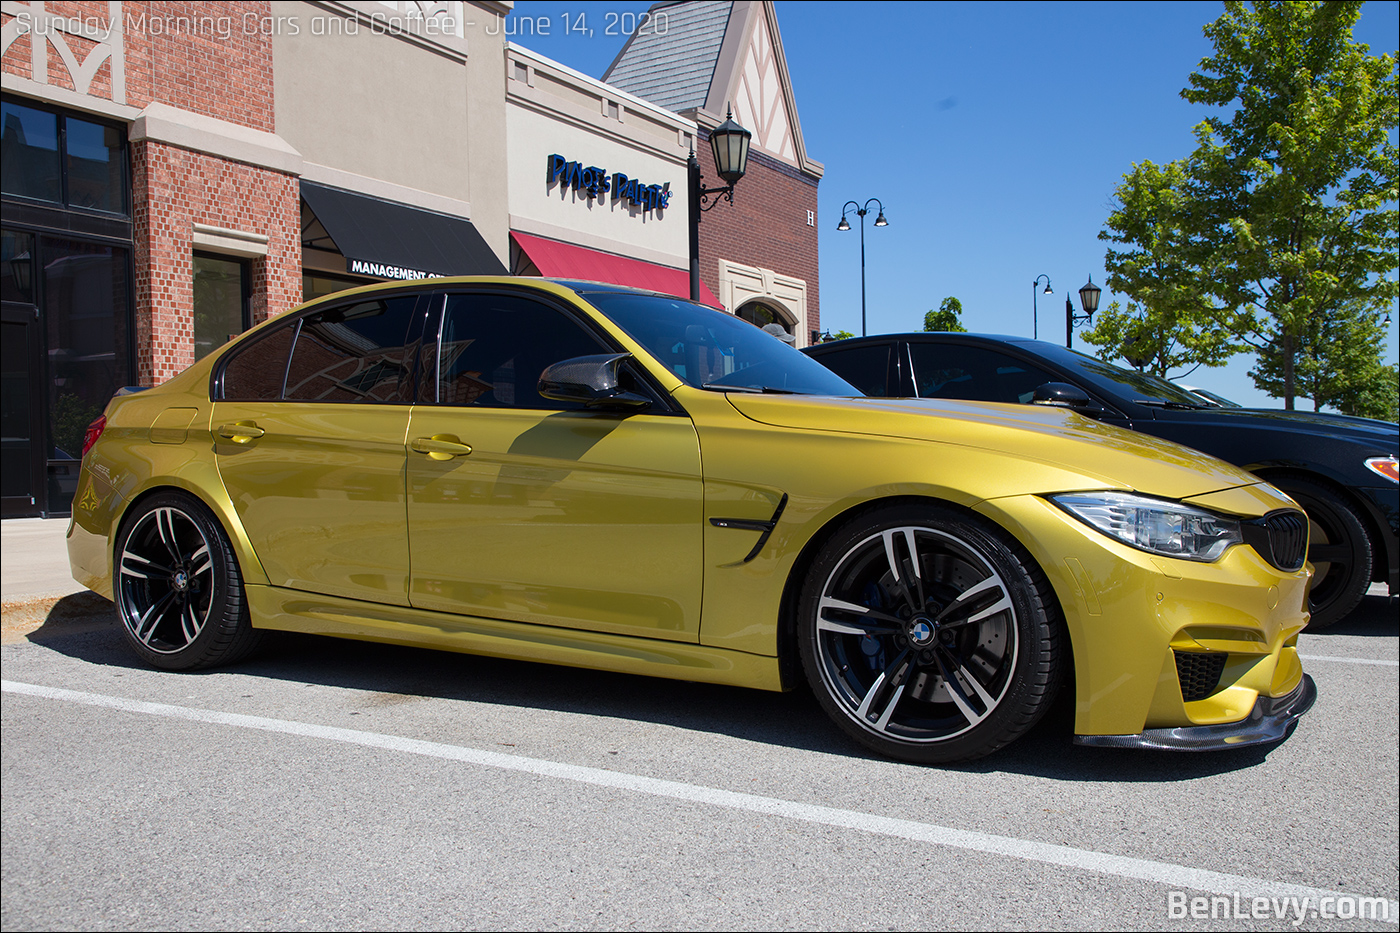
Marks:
<point>595,381</point>
<point>1064,395</point>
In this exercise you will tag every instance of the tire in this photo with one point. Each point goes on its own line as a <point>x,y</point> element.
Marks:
<point>1338,548</point>
<point>179,591</point>
<point>945,658</point>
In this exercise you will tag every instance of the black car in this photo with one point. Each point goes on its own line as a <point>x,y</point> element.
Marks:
<point>1340,469</point>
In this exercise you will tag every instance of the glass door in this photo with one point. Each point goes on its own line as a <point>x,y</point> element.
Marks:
<point>21,428</point>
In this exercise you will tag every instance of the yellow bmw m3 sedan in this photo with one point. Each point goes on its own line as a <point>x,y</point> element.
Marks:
<point>590,475</point>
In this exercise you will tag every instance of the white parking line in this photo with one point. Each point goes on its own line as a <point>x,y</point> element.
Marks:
<point>1164,873</point>
<point>1328,657</point>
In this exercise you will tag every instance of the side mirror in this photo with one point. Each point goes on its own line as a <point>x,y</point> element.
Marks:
<point>592,380</point>
<point>1064,395</point>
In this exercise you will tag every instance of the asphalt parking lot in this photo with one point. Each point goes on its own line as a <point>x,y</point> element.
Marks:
<point>335,784</point>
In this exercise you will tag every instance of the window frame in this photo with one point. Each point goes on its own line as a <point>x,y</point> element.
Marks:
<point>64,203</point>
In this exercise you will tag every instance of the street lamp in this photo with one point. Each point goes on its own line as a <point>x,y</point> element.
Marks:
<point>843,226</point>
<point>1035,311</point>
<point>730,144</point>
<point>1089,300</point>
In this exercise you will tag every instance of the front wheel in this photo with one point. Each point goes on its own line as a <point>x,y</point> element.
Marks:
<point>1338,549</point>
<point>178,587</point>
<point>929,635</point>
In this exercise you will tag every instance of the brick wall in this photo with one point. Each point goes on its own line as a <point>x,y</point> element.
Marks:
<point>212,57</point>
<point>766,226</point>
<point>174,189</point>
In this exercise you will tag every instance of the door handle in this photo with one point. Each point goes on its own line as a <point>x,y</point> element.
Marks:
<point>241,433</point>
<point>441,446</point>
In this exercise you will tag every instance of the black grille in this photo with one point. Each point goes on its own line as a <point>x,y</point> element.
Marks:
<point>1199,672</point>
<point>1280,537</point>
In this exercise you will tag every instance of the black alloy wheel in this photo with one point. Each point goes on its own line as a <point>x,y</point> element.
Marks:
<point>178,588</point>
<point>1338,549</point>
<point>929,635</point>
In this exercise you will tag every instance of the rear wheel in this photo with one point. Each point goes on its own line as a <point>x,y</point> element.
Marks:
<point>927,634</point>
<point>179,591</point>
<point>1338,549</point>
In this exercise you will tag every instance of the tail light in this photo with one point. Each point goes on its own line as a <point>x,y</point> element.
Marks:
<point>93,432</point>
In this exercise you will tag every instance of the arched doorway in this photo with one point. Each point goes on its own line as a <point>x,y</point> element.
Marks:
<point>767,311</point>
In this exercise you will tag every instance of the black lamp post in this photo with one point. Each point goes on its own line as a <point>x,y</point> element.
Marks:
<point>1035,310</point>
<point>880,221</point>
<point>1089,300</point>
<point>730,144</point>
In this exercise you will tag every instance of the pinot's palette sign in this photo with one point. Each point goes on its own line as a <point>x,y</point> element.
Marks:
<point>598,183</point>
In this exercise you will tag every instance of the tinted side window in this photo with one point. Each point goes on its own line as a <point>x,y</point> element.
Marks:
<point>254,370</point>
<point>974,373</point>
<point>866,368</point>
<point>494,348</point>
<point>355,353</point>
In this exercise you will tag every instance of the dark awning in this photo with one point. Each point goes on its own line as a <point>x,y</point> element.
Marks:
<point>398,237</point>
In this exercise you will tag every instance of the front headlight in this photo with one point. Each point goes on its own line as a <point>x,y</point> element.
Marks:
<point>1154,525</point>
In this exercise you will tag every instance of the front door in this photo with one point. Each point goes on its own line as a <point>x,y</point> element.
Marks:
<point>21,427</point>
<point>520,509</point>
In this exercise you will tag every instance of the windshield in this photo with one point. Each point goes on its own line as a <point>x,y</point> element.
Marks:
<point>713,350</point>
<point>1132,385</point>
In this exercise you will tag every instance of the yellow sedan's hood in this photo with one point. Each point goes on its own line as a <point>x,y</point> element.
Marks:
<point>1122,459</point>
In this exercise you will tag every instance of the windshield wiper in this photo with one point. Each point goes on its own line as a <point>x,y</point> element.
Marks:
<point>1163,403</point>
<point>757,390</point>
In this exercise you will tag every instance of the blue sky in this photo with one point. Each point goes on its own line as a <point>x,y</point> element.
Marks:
<point>993,133</point>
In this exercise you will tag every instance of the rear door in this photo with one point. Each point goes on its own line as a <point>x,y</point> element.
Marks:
<point>309,439</point>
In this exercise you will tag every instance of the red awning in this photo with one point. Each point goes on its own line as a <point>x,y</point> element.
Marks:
<point>566,261</point>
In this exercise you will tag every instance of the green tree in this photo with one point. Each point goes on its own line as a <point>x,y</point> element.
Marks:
<point>842,335</point>
<point>947,318</point>
<point>1338,364</point>
<point>1168,323</point>
<point>1283,218</point>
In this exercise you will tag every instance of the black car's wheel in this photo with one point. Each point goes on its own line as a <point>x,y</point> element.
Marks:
<point>1338,549</point>
<point>178,588</point>
<point>928,635</point>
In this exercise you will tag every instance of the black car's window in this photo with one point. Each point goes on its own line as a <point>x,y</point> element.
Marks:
<point>974,373</point>
<point>254,370</point>
<point>494,348</point>
<point>355,353</point>
<point>866,368</point>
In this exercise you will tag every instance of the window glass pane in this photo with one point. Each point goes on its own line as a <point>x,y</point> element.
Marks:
<point>354,353</point>
<point>494,348</point>
<point>29,164</point>
<point>866,368</point>
<point>96,161</point>
<point>254,371</point>
<point>218,302</point>
<point>706,347</point>
<point>16,457</point>
<point>974,373</point>
<point>319,286</point>
<point>17,266</point>
<point>87,320</point>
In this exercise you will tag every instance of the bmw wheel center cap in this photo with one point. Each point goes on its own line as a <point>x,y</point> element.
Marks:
<point>921,631</point>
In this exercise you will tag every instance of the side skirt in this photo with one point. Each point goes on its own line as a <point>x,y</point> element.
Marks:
<point>287,610</point>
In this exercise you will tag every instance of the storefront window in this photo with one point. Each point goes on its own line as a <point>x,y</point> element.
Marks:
<point>317,286</point>
<point>220,302</point>
<point>17,266</point>
<point>96,176</point>
<point>86,314</point>
<point>29,158</point>
<point>49,156</point>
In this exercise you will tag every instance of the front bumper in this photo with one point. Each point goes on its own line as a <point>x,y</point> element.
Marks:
<point>1270,721</point>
